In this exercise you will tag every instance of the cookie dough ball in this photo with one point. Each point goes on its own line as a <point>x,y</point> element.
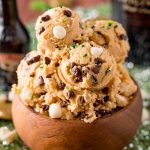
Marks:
<point>89,66</point>
<point>110,35</point>
<point>58,26</point>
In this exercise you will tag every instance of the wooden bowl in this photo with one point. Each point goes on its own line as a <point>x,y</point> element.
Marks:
<point>113,132</point>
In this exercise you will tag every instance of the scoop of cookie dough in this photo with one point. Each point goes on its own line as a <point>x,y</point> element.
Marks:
<point>90,67</point>
<point>58,26</point>
<point>109,34</point>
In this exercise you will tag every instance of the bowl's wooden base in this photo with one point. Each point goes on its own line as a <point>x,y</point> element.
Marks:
<point>110,133</point>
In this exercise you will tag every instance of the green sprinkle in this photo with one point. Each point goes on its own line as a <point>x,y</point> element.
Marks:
<point>102,27</point>
<point>109,24</point>
<point>65,20</point>
<point>67,66</point>
<point>31,96</point>
<point>85,26</point>
<point>75,45</point>
<point>18,91</point>
<point>42,64</point>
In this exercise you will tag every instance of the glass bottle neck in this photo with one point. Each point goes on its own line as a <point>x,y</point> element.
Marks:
<point>8,12</point>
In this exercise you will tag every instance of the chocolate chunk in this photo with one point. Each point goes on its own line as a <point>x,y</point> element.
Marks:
<point>63,103</point>
<point>70,94</point>
<point>45,18</point>
<point>98,61</point>
<point>33,60</point>
<point>57,64</point>
<point>41,93</point>
<point>47,61</point>
<point>123,37</point>
<point>117,108</point>
<point>41,81</point>
<point>94,79</point>
<point>106,98</point>
<point>77,72</point>
<point>93,27</point>
<point>81,100</point>
<point>67,13</point>
<point>45,107</point>
<point>49,76</point>
<point>102,113</point>
<point>84,116</point>
<point>78,115</point>
<point>95,69</point>
<point>62,86</point>
<point>73,64</point>
<point>42,30</point>
<point>85,70</point>
<point>80,25</point>
<point>96,103</point>
<point>105,45</point>
<point>105,90</point>
<point>78,79</point>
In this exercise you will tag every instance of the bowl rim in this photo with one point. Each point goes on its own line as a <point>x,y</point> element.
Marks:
<point>115,113</point>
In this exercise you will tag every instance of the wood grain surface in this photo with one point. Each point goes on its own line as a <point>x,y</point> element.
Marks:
<point>114,132</point>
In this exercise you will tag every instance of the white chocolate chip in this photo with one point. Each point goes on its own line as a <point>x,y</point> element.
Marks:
<point>121,100</point>
<point>96,51</point>
<point>59,32</point>
<point>26,94</point>
<point>55,110</point>
<point>6,135</point>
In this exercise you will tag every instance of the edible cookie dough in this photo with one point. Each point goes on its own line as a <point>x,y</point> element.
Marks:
<point>109,34</point>
<point>77,71</point>
<point>58,27</point>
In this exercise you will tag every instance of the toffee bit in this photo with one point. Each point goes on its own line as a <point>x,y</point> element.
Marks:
<point>47,60</point>
<point>98,61</point>
<point>67,13</point>
<point>70,94</point>
<point>123,37</point>
<point>33,60</point>
<point>96,103</point>
<point>81,100</point>
<point>32,75</point>
<point>57,64</point>
<point>45,18</point>
<point>45,107</point>
<point>95,69</point>
<point>106,98</point>
<point>41,81</point>
<point>105,90</point>
<point>49,76</point>
<point>94,80</point>
<point>62,86</point>
<point>42,30</point>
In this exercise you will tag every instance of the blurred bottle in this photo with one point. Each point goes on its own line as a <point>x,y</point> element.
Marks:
<point>135,16</point>
<point>14,42</point>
